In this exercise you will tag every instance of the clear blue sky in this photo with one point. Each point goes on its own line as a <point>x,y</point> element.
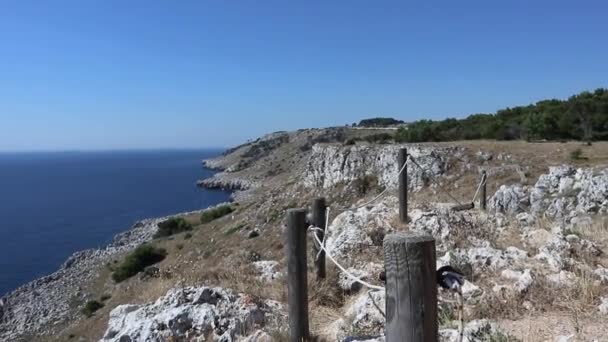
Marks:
<point>87,74</point>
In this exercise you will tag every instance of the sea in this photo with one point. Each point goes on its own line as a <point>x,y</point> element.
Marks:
<point>53,204</point>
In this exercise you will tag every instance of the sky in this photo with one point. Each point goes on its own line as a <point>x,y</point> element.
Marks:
<point>86,75</point>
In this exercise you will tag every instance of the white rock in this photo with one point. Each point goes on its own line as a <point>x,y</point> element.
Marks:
<point>188,313</point>
<point>477,330</point>
<point>510,199</point>
<point>602,274</point>
<point>523,280</point>
<point>258,336</point>
<point>348,284</point>
<point>603,308</point>
<point>267,269</point>
<point>331,164</point>
<point>365,314</point>
<point>562,279</point>
<point>470,290</point>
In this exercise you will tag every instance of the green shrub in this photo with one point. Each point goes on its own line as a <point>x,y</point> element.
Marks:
<point>143,256</point>
<point>380,138</point>
<point>215,213</point>
<point>577,154</point>
<point>172,226</point>
<point>187,236</point>
<point>90,307</point>
<point>179,246</point>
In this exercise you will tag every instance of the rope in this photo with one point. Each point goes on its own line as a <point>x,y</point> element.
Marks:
<point>377,197</point>
<point>435,180</point>
<point>350,275</point>
<point>481,183</point>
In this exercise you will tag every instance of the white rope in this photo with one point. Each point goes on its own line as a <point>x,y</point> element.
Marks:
<point>481,183</point>
<point>377,197</point>
<point>436,181</point>
<point>350,275</point>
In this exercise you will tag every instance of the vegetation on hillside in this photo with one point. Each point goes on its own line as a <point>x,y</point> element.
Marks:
<point>215,213</point>
<point>90,307</point>
<point>581,117</point>
<point>135,262</point>
<point>172,226</point>
<point>379,122</point>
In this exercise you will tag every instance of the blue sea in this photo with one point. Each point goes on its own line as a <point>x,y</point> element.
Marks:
<point>55,203</point>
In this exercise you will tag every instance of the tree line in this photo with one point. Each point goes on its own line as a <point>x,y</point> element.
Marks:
<point>581,117</point>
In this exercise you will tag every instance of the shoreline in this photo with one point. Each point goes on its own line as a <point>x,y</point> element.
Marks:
<point>43,304</point>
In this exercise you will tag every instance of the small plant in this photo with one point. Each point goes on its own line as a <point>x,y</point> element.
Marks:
<point>215,213</point>
<point>234,229</point>
<point>179,246</point>
<point>365,184</point>
<point>577,155</point>
<point>187,236</point>
<point>172,226</point>
<point>90,307</point>
<point>105,297</point>
<point>143,256</point>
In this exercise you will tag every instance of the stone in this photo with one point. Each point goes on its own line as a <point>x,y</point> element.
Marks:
<point>330,165</point>
<point>511,199</point>
<point>562,279</point>
<point>603,307</point>
<point>350,285</point>
<point>365,314</point>
<point>268,270</point>
<point>189,313</point>
<point>523,280</point>
<point>258,336</point>
<point>602,274</point>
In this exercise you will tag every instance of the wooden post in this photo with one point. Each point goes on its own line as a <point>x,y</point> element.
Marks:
<point>411,287</point>
<point>297,291</point>
<point>319,221</point>
<point>402,186</point>
<point>482,199</point>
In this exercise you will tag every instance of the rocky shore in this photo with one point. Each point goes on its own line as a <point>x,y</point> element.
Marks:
<point>47,302</point>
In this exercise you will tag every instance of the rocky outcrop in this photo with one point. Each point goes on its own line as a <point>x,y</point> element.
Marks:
<point>566,192</point>
<point>191,313</point>
<point>221,182</point>
<point>333,164</point>
<point>510,199</point>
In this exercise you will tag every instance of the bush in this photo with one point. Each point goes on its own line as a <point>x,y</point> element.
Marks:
<point>215,213</point>
<point>577,154</point>
<point>105,297</point>
<point>172,226</point>
<point>380,138</point>
<point>143,256</point>
<point>365,184</point>
<point>187,236</point>
<point>90,307</point>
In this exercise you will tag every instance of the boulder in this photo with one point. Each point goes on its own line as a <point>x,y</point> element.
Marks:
<point>509,199</point>
<point>190,313</point>
<point>603,307</point>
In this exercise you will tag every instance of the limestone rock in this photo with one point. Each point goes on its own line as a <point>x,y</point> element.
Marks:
<point>365,314</point>
<point>188,313</point>
<point>603,307</point>
<point>511,199</point>
<point>331,164</point>
<point>523,280</point>
<point>267,269</point>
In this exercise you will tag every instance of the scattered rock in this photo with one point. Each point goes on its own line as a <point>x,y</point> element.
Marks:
<point>267,270</point>
<point>523,280</point>
<point>365,314</point>
<point>509,199</point>
<point>562,279</point>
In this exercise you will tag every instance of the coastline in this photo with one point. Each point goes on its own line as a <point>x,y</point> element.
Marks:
<point>42,305</point>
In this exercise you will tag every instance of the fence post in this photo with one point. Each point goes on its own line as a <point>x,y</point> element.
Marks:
<point>319,221</point>
<point>297,291</point>
<point>411,287</point>
<point>402,186</point>
<point>482,200</point>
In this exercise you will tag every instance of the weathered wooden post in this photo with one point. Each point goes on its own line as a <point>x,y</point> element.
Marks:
<point>319,221</point>
<point>411,287</point>
<point>402,185</point>
<point>484,181</point>
<point>297,291</point>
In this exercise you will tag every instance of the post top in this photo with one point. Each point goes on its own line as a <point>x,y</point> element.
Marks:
<point>409,237</point>
<point>296,211</point>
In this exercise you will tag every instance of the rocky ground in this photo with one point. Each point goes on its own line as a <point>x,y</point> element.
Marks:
<point>535,261</point>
